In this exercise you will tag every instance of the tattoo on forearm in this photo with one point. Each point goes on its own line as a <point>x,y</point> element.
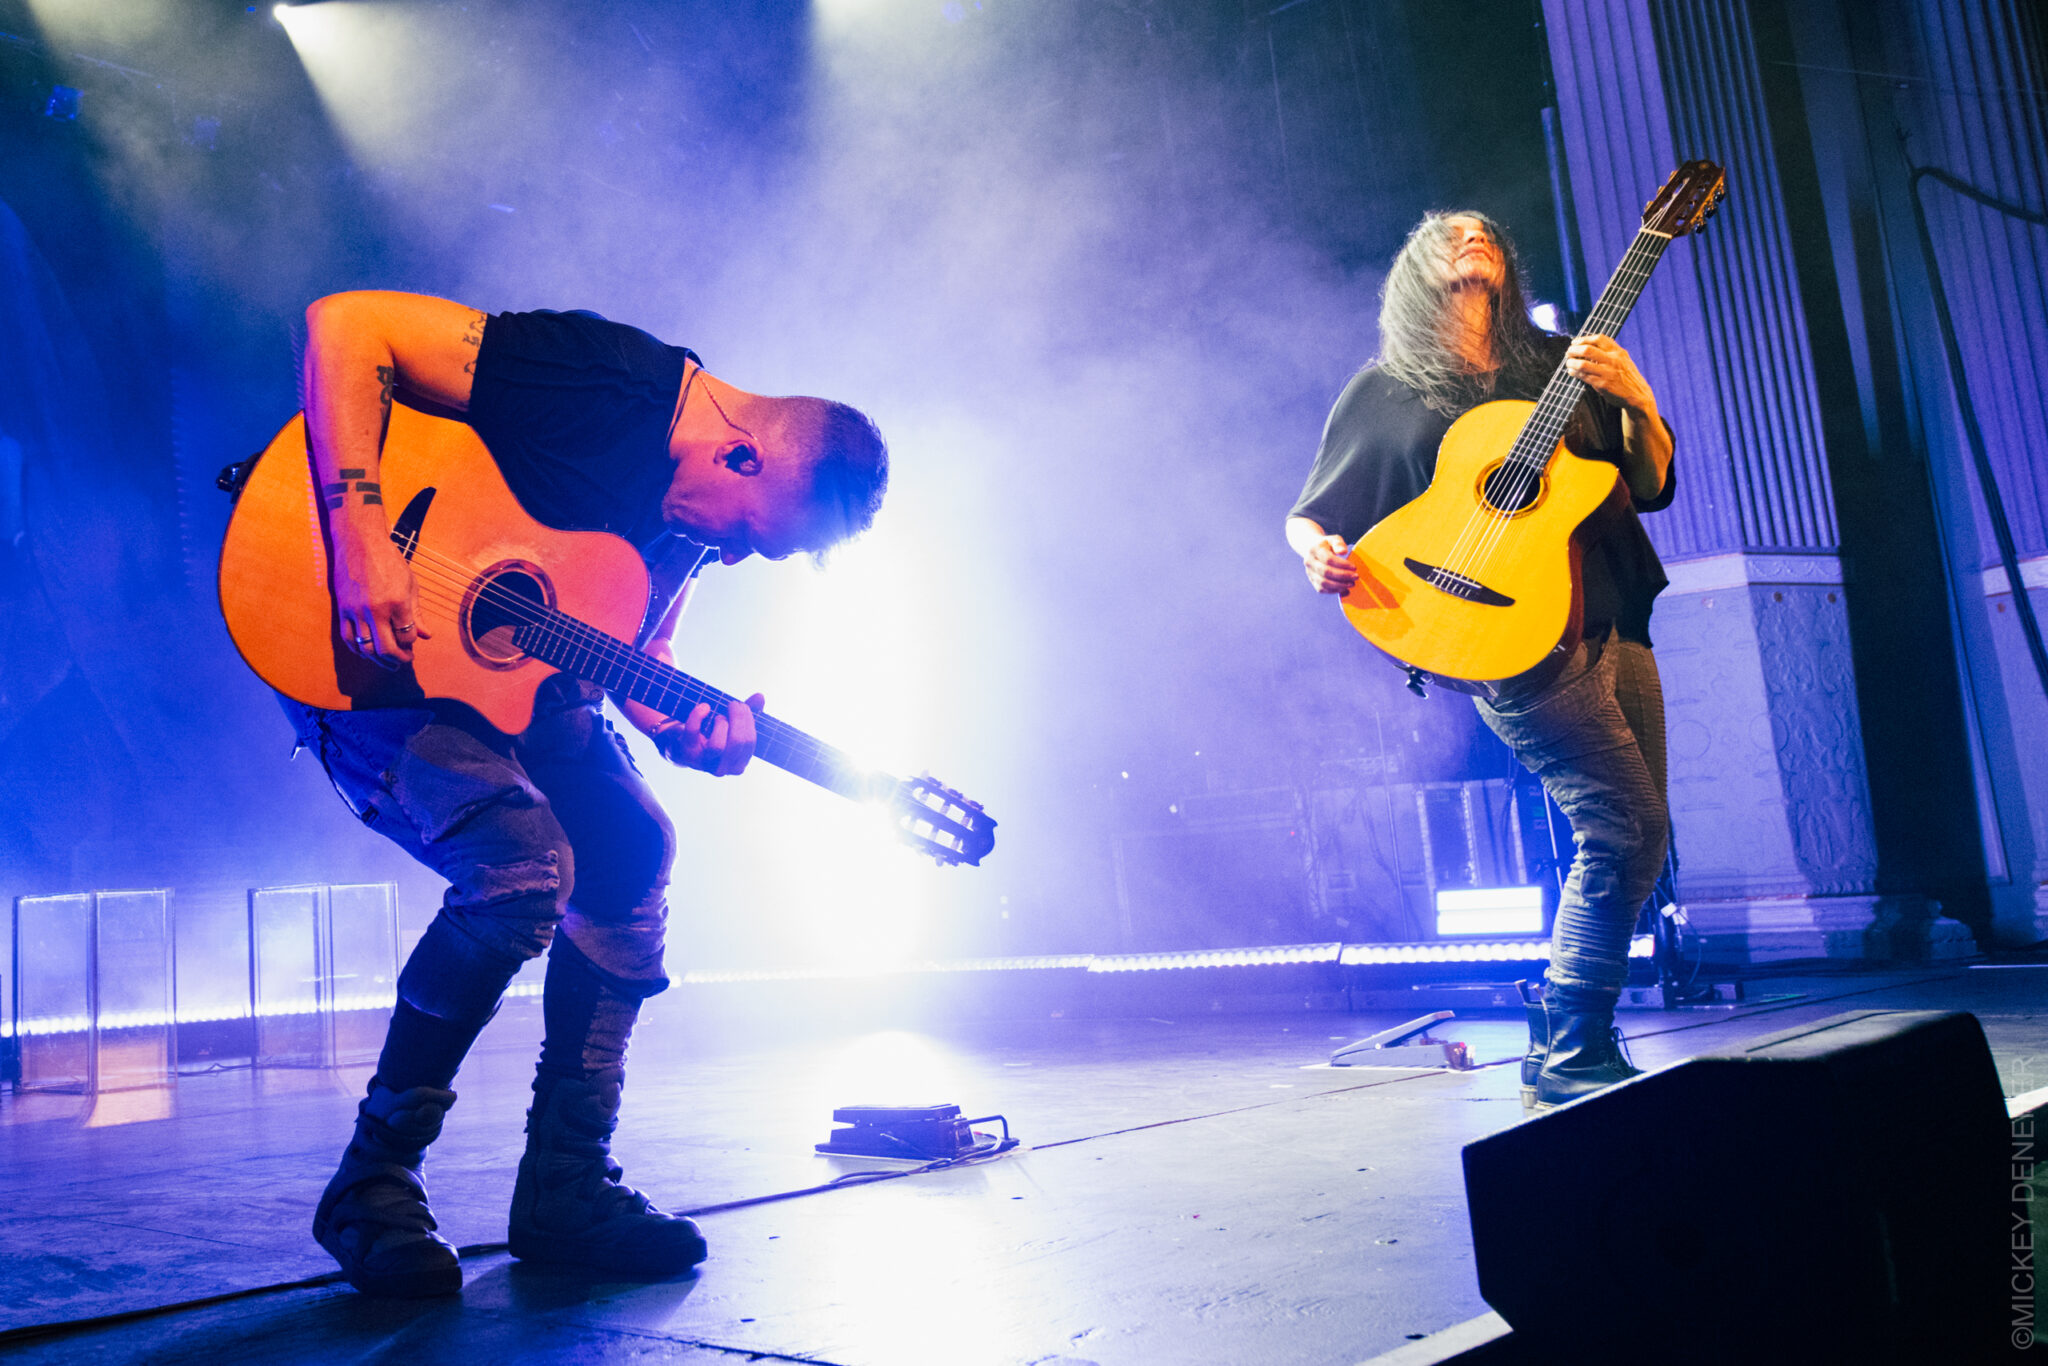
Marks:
<point>388,378</point>
<point>336,493</point>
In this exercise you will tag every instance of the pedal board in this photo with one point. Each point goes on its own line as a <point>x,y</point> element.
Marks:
<point>919,1133</point>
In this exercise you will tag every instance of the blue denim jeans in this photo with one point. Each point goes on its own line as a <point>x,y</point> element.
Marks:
<point>1594,735</point>
<point>551,828</point>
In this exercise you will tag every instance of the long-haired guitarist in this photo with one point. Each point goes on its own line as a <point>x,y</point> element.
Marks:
<point>1455,332</point>
<point>550,839</point>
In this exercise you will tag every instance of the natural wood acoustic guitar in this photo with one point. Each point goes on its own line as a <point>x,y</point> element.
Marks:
<point>1477,581</point>
<point>510,602</point>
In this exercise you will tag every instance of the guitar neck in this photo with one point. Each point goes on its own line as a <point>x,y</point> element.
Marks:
<point>1562,394</point>
<point>588,653</point>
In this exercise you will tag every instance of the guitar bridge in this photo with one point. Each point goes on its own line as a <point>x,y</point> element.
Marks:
<point>1458,585</point>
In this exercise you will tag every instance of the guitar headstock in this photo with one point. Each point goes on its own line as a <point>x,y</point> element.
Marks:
<point>1687,200</point>
<point>936,820</point>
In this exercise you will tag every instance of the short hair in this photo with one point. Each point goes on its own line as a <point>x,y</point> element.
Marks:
<point>849,465</point>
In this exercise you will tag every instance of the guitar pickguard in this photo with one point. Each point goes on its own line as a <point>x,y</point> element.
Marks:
<point>405,532</point>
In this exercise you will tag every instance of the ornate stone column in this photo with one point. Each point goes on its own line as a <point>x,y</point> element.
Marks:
<point>1963,98</point>
<point>1770,793</point>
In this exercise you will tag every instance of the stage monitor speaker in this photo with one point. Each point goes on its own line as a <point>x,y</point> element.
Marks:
<point>1833,1193</point>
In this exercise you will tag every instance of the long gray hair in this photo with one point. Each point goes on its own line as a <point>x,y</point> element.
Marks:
<point>1418,341</point>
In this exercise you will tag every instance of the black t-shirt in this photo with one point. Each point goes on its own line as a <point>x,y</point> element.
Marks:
<point>576,411</point>
<point>1379,452</point>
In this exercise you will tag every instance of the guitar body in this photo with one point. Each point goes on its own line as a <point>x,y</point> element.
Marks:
<point>508,602</point>
<point>1515,595</point>
<point>474,551</point>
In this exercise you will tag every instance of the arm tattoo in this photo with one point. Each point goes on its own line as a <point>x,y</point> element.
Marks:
<point>387,377</point>
<point>336,493</point>
<point>473,335</point>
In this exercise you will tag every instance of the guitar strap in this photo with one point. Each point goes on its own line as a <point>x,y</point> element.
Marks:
<point>671,561</point>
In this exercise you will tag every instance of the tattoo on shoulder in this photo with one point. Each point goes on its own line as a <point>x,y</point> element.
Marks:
<point>473,330</point>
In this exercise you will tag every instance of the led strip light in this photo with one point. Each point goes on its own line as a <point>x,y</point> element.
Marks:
<point>1344,955</point>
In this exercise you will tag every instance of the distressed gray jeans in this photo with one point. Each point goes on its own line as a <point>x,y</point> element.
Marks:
<point>1595,737</point>
<point>550,828</point>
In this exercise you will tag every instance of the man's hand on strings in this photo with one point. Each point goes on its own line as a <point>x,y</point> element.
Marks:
<point>722,748</point>
<point>1329,567</point>
<point>1608,370</point>
<point>376,601</point>
<point>1646,442</point>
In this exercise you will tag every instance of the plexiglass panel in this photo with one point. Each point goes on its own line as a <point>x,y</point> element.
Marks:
<point>53,991</point>
<point>324,972</point>
<point>363,954</point>
<point>133,973</point>
<point>287,978</point>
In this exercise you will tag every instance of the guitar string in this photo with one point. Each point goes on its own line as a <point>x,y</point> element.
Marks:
<point>1524,471</point>
<point>1474,547</point>
<point>1560,398</point>
<point>1564,394</point>
<point>446,594</point>
<point>1487,522</point>
<point>553,626</point>
<point>618,656</point>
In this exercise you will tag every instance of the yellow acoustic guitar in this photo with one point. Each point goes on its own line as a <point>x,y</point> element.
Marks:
<point>1477,580</point>
<point>509,602</point>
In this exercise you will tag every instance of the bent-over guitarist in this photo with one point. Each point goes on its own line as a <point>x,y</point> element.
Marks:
<point>1455,332</point>
<point>550,839</point>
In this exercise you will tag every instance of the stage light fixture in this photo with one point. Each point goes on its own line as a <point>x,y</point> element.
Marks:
<point>1489,910</point>
<point>1216,958</point>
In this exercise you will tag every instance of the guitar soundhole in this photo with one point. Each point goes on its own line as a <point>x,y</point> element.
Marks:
<point>504,597</point>
<point>1509,488</point>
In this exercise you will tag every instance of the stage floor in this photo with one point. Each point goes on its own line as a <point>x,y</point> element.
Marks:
<point>1189,1190</point>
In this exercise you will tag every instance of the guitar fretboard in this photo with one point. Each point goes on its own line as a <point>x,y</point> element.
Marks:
<point>555,638</point>
<point>1539,437</point>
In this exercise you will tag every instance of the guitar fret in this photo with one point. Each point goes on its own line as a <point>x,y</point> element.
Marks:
<point>612,664</point>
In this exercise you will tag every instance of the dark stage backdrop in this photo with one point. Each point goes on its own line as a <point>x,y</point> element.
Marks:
<point>1097,269</point>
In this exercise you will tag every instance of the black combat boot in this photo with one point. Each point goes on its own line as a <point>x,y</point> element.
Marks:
<point>1539,1042</point>
<point>568,1206</point>
<point>1585,1053</point>
<point>373,1216</point>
